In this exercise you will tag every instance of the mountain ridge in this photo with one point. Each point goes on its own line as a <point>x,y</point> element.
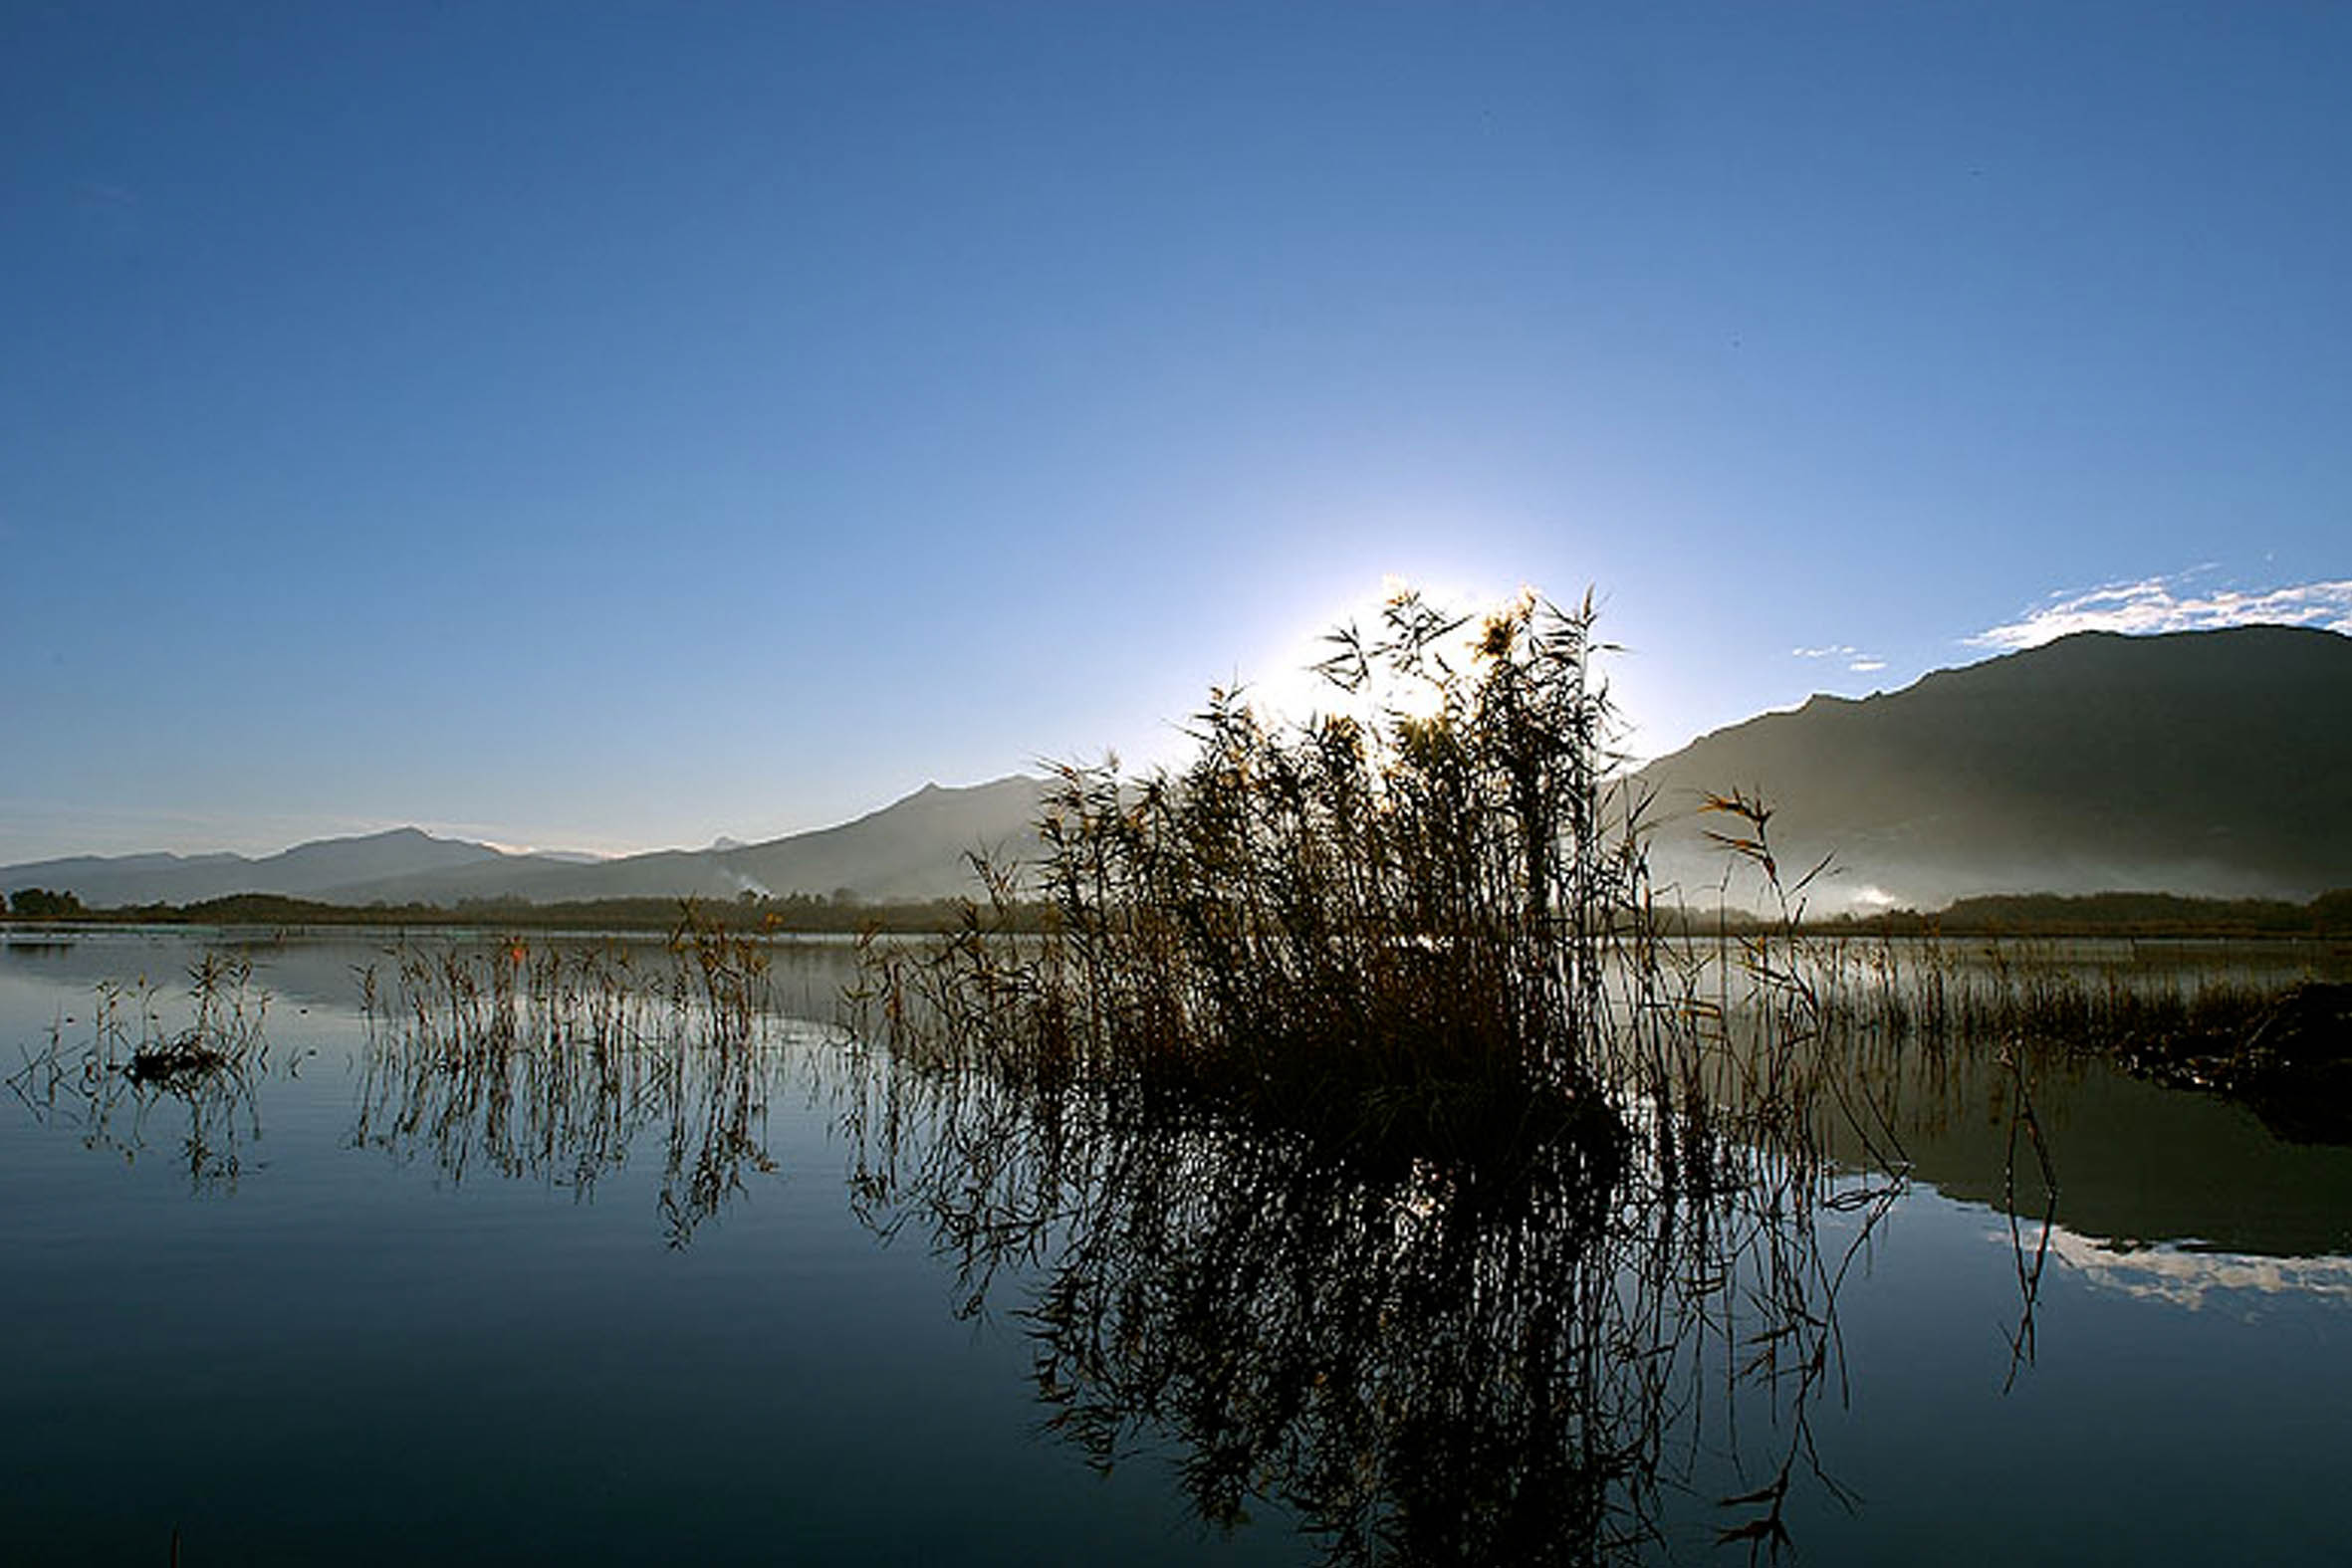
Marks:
<point>2195,761</point>
<point>913,849</point>
<point>307,869</point>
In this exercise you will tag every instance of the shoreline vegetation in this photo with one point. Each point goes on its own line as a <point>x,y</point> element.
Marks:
<point>1430,884</point>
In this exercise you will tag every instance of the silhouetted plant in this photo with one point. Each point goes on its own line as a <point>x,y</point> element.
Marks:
<point>1398,927</point>
<point>1488,1360</point>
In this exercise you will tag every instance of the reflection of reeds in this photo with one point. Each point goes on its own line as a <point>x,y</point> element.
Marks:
<point>1494,1361</point>
<point>1375,1139</point>
<point>132,1064</point>
<point>556,1061</point>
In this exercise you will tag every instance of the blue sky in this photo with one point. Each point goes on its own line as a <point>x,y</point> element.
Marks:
<point>612,426</point>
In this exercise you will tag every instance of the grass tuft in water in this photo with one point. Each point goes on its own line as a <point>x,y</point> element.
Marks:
<point>555,1059</point>
<point>1388,927</point>
<point>132,1063</point>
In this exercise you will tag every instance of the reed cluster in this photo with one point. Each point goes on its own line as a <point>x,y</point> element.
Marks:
<point>497,994</point>
<point>133,1062</point>
<point>2269,1024</point>
<point>1380,1135</point>
<point>1394,923</point>
<point>553,1060</point>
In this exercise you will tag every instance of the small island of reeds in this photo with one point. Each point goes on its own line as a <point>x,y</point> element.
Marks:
<point>1410,927</point>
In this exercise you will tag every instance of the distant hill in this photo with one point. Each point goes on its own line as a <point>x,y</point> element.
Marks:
<point>307,870</point>
<point>2211,763</point>
<point>914,849</point>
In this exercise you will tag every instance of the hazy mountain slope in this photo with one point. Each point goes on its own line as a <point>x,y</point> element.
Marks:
<point>99,879</point>
<point>314,867</point>
<point>305,870</point>
<point>913,849</point>
<point>2215,761</point>
<point>538,878</point>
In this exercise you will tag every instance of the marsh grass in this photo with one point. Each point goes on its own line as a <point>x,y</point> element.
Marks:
<point>2268,1025</point>
<point>1405,929</point>
<point>1939,991</point>
<point>555,1060</point>
<point>1520,1357</point>
<point>137,1061</point>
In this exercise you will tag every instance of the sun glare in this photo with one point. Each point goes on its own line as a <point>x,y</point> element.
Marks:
<point>1290,686</point>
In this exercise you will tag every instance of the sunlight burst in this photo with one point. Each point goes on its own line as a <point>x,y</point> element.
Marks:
<point>1293,686</point>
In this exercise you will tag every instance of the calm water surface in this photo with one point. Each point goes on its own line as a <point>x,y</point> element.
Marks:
<point>700,1308</point>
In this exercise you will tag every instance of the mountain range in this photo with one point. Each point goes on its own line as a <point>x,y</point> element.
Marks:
<point>913,849</point>
<point>321,870</point>
<point>2211,763</point>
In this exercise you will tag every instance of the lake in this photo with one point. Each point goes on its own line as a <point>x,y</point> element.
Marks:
<point>381,1295</point>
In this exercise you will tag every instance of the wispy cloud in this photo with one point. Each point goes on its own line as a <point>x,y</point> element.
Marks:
<point>1856,662</point>
<point>2171,603</point>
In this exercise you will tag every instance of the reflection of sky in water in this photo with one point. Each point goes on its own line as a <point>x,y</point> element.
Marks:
<point>2196,1279</point>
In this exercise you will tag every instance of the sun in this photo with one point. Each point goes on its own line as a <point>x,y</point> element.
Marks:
<point>1287,685</point>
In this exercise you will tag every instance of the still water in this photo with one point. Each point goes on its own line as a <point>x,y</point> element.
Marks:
<point>359,1301</point>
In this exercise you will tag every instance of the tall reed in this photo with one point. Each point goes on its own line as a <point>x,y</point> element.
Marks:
<point>1412,922</point>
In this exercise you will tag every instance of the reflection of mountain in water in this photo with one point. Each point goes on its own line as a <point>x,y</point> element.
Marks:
<point>2137,1163</point>
<point>1469,1356</point>
<point>2196,1279</point>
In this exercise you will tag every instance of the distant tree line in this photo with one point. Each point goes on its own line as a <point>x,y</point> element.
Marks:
<point>2111,915</point>
<point>842,911</point>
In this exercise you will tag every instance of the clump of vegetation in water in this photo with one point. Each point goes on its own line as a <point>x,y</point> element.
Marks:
<point>2262,1022</point>
<point>1403,926</point>
<point>132,1063</point>
<point>553,1060</point>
